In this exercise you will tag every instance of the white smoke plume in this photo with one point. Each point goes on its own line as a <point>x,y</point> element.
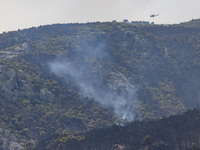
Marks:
<point>112,90</point>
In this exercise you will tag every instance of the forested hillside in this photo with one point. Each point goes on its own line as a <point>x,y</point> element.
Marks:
<point>63,78</point>
<point>179,132</point>
<point>195,23</point>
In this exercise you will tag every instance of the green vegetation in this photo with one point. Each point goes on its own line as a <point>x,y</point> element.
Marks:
<point>194,23</point>
<point>175,132</point>
<point>161,62</point>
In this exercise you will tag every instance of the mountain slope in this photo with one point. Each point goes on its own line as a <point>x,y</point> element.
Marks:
<point>62,78</point>
<point>194,23</point>
<point>175,132</point>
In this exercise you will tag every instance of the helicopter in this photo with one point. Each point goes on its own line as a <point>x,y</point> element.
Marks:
<point>154,15</point>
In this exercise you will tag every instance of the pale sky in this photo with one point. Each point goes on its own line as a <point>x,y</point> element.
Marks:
<point>20,14</point>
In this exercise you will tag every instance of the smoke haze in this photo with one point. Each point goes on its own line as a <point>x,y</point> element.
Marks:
<point>86,68</point>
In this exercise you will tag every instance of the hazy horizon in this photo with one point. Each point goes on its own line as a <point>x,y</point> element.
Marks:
<point>25,14</point>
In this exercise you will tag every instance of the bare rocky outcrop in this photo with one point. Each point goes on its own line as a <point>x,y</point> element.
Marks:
<point>46,95</point>
<point>12,85</point>
<point>118,147</point>
<point>9,141</point>
<point>14,51</point>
